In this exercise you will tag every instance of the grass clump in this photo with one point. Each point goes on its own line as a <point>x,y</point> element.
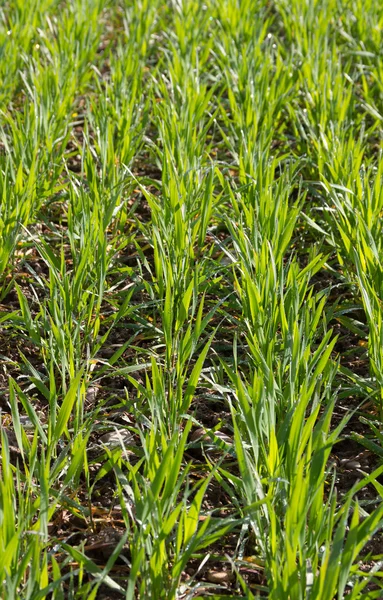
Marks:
<point>191,288</point>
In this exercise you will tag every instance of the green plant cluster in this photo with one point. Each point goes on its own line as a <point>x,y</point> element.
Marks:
<point>191,236</point>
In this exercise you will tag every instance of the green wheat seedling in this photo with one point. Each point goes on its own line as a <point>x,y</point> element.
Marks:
<point>191,299</point>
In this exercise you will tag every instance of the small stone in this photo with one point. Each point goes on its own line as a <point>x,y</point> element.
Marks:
<point>202,435</point>
<point>26,422</point>
<point>199,434</point>
<point>351,464</point>
<point>219,576</point>
<point>116,438</point>
<point>91,395</point>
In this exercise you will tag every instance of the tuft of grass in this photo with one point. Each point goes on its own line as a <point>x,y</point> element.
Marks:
<point>191,288</point>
